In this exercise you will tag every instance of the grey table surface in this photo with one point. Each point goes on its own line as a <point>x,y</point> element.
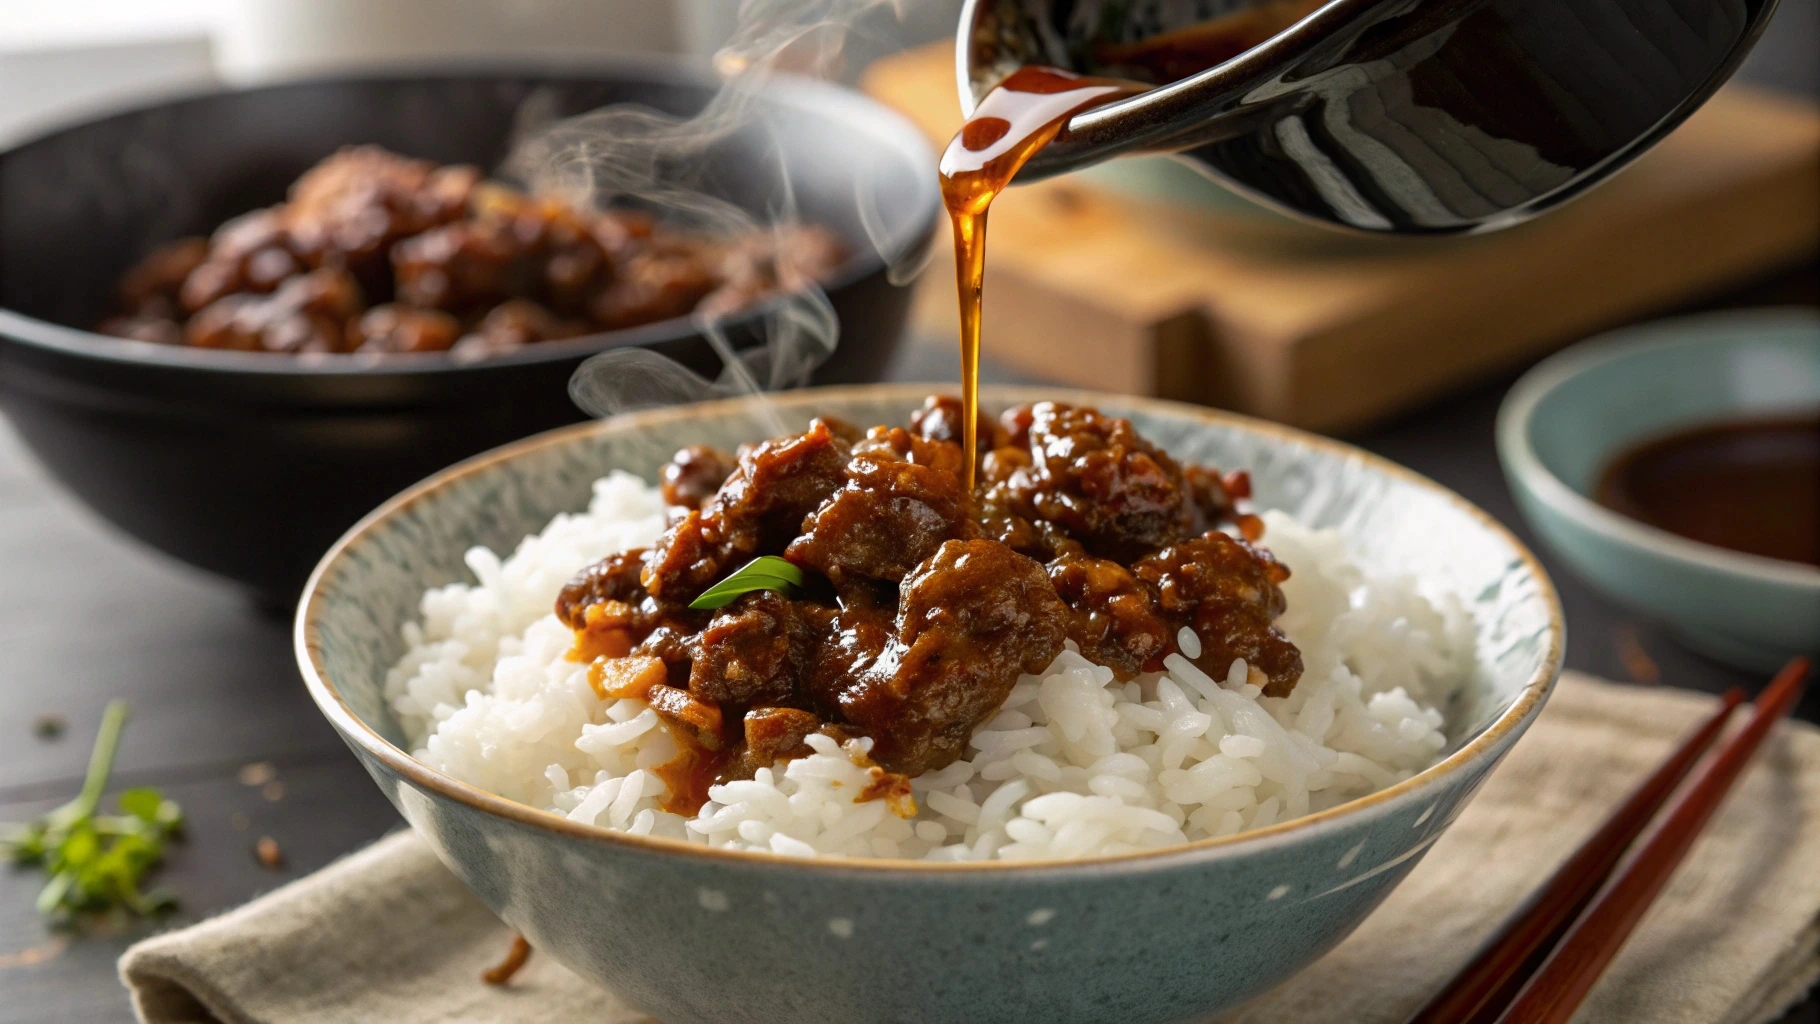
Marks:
<point>86,615</point>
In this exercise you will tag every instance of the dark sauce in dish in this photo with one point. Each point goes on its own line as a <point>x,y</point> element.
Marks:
<point>1748,485</point>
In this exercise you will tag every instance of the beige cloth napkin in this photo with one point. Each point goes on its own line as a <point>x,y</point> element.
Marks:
<point>388,935</point>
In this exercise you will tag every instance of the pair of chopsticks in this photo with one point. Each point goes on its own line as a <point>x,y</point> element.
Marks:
<point>1546,958</point>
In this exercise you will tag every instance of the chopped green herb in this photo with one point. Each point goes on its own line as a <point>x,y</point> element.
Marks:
<point>766,572</point>
<point>97,861</point>
<point>48,726</point>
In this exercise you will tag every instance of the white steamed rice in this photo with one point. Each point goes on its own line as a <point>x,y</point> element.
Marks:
<point>1074,764</point>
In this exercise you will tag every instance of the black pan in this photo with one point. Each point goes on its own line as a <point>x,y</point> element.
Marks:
<point>249,465</point>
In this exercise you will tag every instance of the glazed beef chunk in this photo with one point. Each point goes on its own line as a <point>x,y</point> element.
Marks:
<point>512,247</point>
<point>613,579</point>
<point>942,419</point>
<point>694,474</point>
<point>251,253</point>
<point>922,603</point>
<point>309,313</point>
<point>1112,615</point>
<point>613,615</point>
<point>903,498</point>
<point>514,324</point>
<point>778,483</point>
<point>759,509</point>
<point>395,328</point>
<point>152,288</point>
<point>1230,593</point>
<point>1095,477</point>
<point>970,619</point>
<point>786,258</point>
<point>1130,540</point>
<point>348,210</point>
<point>745,654</point>
<point>651,286</point>
<point>1215,497</point>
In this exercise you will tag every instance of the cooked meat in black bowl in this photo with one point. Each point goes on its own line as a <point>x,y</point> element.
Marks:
<point>377,254</point>
<point>248,464</point>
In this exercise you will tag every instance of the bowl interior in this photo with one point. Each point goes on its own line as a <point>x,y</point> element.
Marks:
<point>371,584</point>
<point>79,205</point>
<point>1655,380</point>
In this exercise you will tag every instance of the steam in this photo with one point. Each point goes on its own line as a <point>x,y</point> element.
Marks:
<point>633,154</point>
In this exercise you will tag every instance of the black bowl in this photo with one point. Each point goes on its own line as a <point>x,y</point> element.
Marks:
<point>249,465</point>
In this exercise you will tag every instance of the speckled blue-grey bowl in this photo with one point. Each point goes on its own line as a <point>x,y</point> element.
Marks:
<point>1564,422</point>
<point>690,934</point>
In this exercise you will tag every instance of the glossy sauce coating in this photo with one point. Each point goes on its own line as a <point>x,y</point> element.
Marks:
<point>922,602</point>
<point>1750,486</point>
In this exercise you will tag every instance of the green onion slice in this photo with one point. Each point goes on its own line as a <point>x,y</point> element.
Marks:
<point>766,572</point>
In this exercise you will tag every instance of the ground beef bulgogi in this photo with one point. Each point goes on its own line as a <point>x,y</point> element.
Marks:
<point>379,253</point>
<point>922,603</point>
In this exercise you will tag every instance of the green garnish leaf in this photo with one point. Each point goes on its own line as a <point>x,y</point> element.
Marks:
<point>141,803</point>
<point>96,861</point>
<point>80,848</point>
<point>24,843</point>
<point>766,572</point>
<point>55,892</point>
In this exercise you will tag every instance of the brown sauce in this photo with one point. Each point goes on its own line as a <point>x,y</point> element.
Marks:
<point>1018,117</point>
<point>1749,485</point>
<point>688,775</point>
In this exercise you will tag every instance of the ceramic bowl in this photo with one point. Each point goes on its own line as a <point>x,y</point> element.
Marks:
<point>686,933</point>
<point>1567,418</point>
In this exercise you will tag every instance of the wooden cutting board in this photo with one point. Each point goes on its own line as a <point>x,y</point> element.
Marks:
<point>1091,285</point>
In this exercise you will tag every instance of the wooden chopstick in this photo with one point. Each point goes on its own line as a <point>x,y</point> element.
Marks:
<point>1557,989</point>
<point>1487,984</point>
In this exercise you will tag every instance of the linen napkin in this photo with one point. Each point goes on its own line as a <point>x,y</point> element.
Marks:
<point>388,935</point>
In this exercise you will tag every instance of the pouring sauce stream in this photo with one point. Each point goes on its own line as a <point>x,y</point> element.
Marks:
<point>1017,118</point>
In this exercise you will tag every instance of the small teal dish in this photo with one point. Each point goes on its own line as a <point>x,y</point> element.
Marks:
<point>1567,418</point>
<point>689,934</point>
